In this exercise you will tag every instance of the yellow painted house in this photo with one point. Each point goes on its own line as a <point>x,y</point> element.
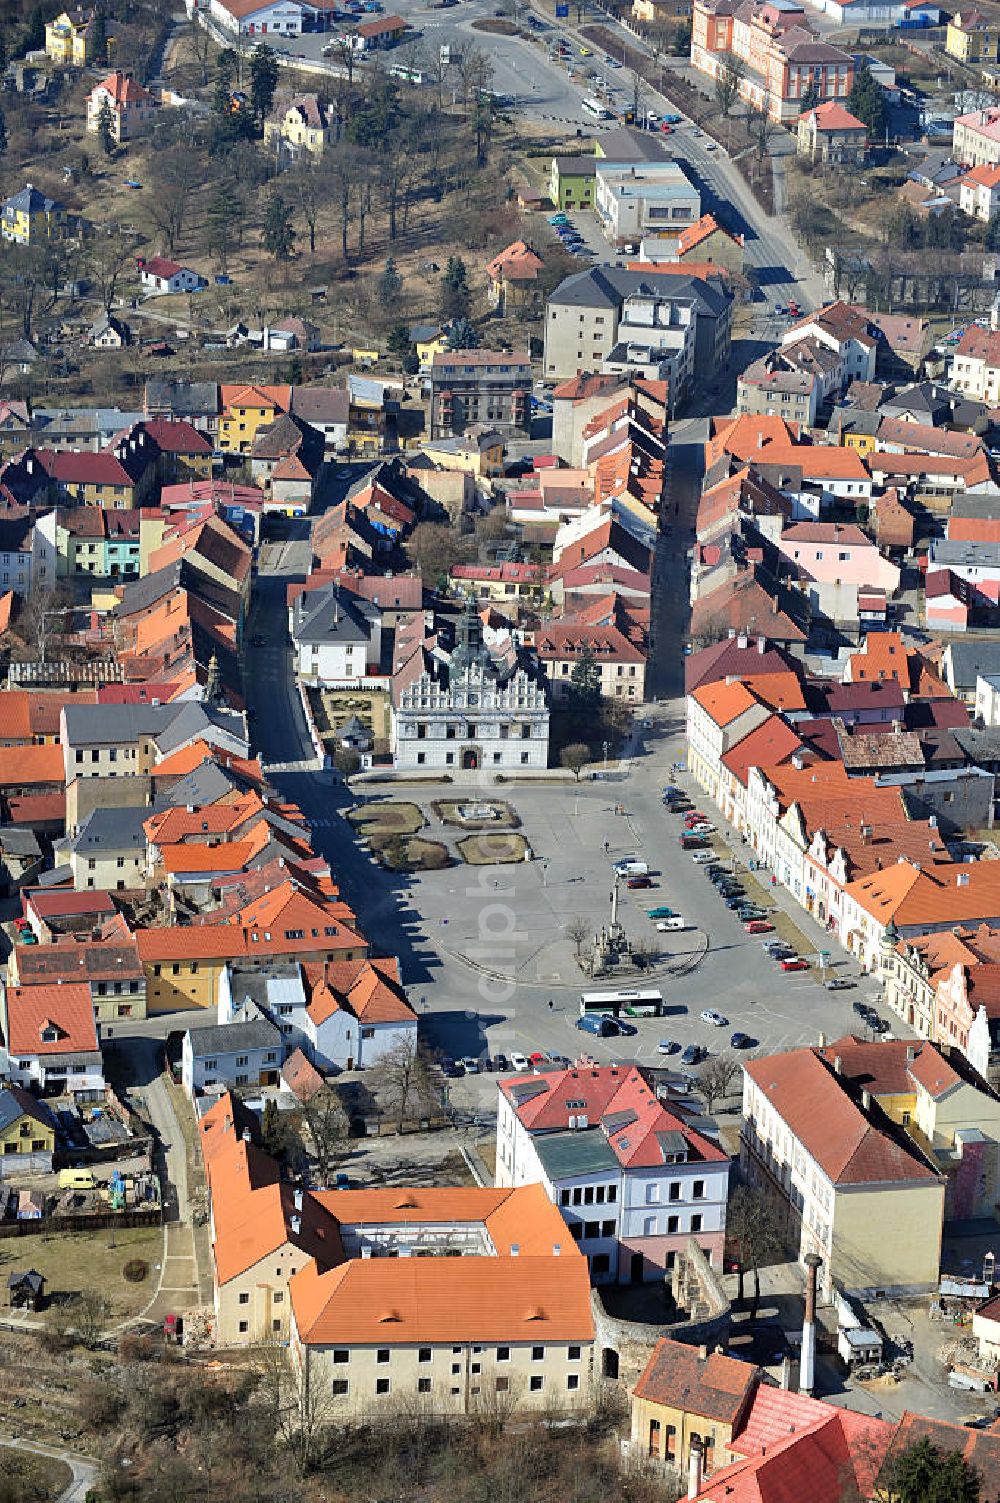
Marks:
<point>972,37</point>
<point>477,454</point>
<point>305,125</point>
<point>687,1391</point>
<point>428,340</point>
<point>27,1131</point>
<point>245,409</point>
<point>71,38</point>
<point>30,216</point>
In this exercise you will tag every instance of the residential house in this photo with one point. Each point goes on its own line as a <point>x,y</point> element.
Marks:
<point>708,240</point>
<point>513,278</point>
<point>830,134</point>
<point>337,638</point>
<point>342,1015</point>
<point>846,330</point>
<point>160,275</point>
<point>110,333</point>
<point>428,340</point>
<point>479,386</point>
<point>15,429</point>
<point>976,138</point>
<point>247,409</point>
<point>27,1133</point>
<point>109,964</point>
<point>241,1054</point>
<point>976,365</point>
<point>304,125</point>
<point>325,408</point>
<point>633,1180</point>
<point>972,37</point>
<point>647,198</point>
<point>686,1392</point>
<point>508,585</point>
<point>979,193</point>
<point>618,660</point>
<point>847,1182</point>
<point>129,107</point>
<point>108,851</point>
<point>71,38</point>
<point>30,217</point>
<point>50,1040</point>
<point>835,562</point>
<point>286,459</point>
<point>572,180</point>
<point>479,453</point>
<point>718,716</point>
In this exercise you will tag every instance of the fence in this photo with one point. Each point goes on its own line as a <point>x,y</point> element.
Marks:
<point>56,1225</point>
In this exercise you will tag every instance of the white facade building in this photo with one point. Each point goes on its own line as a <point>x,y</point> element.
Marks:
<point>471,710</point>
<point>231,1054</point>
<point>247,18</point>
<point>633,1180</point>
<point>337,641</point>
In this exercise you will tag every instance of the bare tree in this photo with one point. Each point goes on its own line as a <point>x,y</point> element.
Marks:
<point>575,756</point>
<point>327,1126</point>
<point>108,256</point>
<point>497,1402</point>
<point>754,1234</point>
<point>300,1411</point>
<point>640,93</point>
<point>578,930</point>
<point>44,615</point>
<point>406,1084</point>
<point>716,1076</point>
<point>310,190</point>
<point>176,173</point>
<point>90,1313</point>
<point>761,127</point>
<point>201,47</point>
<point>732,71</point>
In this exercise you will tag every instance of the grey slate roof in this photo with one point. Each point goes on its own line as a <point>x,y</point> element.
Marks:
<point>204,785</point>
<point>566,1155</point>
<point>970,659</point>
<point>106,830</point>
<point>948,552</point>
<point>15,1101</point>
<point>182,398</point>
<point>331,617</point>
<point>224,1038</point>
<point>101,725</point>
<point>608,286</point>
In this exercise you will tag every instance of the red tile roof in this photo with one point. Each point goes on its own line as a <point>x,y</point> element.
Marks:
<point>63,1010</point>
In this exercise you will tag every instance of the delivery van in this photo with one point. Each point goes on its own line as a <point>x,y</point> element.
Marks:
<point>77,1179</point>
<point>632,868</point>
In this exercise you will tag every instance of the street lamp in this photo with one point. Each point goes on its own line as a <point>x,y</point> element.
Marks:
<point>604,746</point>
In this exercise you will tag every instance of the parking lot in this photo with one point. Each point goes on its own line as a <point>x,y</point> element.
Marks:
<point>494,965</point>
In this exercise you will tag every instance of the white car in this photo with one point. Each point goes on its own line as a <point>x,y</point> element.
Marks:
<point>666,925</point>
<point>715,1018</point>
<point>470,1065</point>
<point>519,1062</point>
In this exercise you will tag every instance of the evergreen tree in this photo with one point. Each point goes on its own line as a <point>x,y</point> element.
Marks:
<point>106,128</point>
<point>278,233</point>
<point>263,79</point>
<point>225,69</point>
<point>867,101</point>
<point>390,284</point>
<point>455,295</point>
<point>100,35</point>
<point>923,1473</point>
<point>224,214</point>
<point>463,335</point>
<point>585,682</point>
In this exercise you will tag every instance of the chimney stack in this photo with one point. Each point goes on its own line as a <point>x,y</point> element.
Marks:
<point>695,1467</point>
<point>807,1361</point>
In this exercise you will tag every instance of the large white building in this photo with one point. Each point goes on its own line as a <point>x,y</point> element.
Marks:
<point>337,638</point>
<point>257,17</point>
<point>471,709</point>
<point>634,1181</point>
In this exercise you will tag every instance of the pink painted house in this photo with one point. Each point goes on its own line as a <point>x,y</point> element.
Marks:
<point>836,561</point>
<point>946,600</point>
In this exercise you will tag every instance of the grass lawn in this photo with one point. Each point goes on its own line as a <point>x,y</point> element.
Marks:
<point>78,1262</point>
<point>492,850</point>
<point>414,855</point>
<point>387,819</point>
<point>39,1478</point>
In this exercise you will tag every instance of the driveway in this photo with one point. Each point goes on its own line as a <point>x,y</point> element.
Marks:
<point>84,1470</point>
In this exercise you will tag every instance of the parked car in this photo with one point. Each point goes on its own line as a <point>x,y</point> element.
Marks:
<point>877,1024</point>
<point>758,926</point>
<point>452,1068</point>
<point>702,828</point>
<point>692,1055</point>
<point>470,1065</point>
<point>627,1030</point>
<point>670,925</point>
<point>709,1015</point>
<point>258,639</point>
<point>639,882</point>
<point>667,1046</point>
<point>795,963</point>
<point>519,1062</point>
<point>559,1060</point>
<point>700,856</point>
<point>864,1010</point>
<point>693,842</point>
<point>839,983</point>
<point>539,1059</point>
<point>500,1063</point>
<point>662,912</point>
<point>740,1040</point>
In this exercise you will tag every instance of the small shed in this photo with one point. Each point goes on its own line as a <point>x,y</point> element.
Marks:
<point>26,1290</point>
<point>858,1345</point>
<point>30,1205</point>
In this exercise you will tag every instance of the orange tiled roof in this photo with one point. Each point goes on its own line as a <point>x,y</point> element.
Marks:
<point>66,1008</point>
<point>24,765</point>
<point>725,702</point>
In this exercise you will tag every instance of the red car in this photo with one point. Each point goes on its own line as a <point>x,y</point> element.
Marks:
<point>758,926</point>
<point>795,964</point>
<point>694,818</point>
<point>665,128</point>
<point>639,882</point>
<point>538,1058</point>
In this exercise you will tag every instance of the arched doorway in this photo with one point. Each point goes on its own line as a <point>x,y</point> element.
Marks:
<point>609,1363</point>
<point>470,759</point>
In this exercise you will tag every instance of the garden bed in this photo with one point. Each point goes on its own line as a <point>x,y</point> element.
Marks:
<point>492,850</point>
